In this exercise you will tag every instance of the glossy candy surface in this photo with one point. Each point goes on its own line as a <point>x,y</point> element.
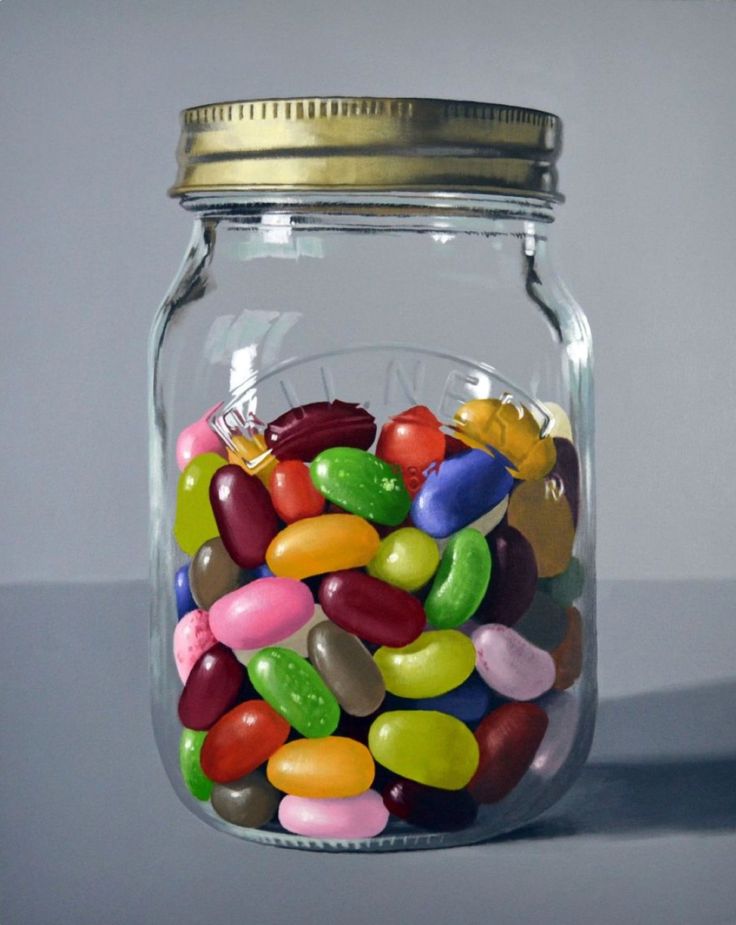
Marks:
<point>211,689</point>
<point>195,523</point>
<point>332,766</point>
<point>305,431</point>
<point>292,686</point>
<point>362,484</point>
<point>413,441</point>
<point>406,558</point>
<point>371,609</point>
<point>262,613</point>
<point>245,516</point>
<point>433,664</point>
<point>213,573</point>
<point>190,746</point>
<point>510,665</point>
<point>429,747</point>
<point>430,807</point>
<point>192,638</point>
<point>363,816</point>
<point>347,668</point>
<point>322,544</point>
<point>250,802</point>
<point>241,740</point>
<point>292,492</point>
<point>182,592</point>
<point>196,439</point>
<point>461,580</point>
<point>543,516</point>
<point>514,581</point>
<point>462,489</point>
<point>253,457</point>
<point>297,641</point>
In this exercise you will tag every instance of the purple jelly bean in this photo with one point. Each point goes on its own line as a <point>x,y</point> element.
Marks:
<point>567,471</point>
<point>513,577</point>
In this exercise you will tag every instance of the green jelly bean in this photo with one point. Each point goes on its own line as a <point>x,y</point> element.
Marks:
<point>190,745</point>
<point>461,580</point>
<point>294,689</point>
<point>406,558</point>
<point>435,663</point>
<point>362,484</point>
<point>195,523</point>
<point>426,746</point>
<point>567,587</point>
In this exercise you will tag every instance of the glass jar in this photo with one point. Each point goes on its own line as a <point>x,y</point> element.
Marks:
<point>371,469</point>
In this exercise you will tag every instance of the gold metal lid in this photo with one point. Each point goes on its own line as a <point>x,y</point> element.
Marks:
<point>369,144</point>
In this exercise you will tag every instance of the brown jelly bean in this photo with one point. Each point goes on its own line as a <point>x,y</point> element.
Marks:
<point>347,668</point>
<point>213,574</point>
<point>244,513</point>
<point>305,431</point>
<point>241,740</point>
<point>250,801</point>
<point>429,807</point>
<point>212,688</point>
<point>513,577</point>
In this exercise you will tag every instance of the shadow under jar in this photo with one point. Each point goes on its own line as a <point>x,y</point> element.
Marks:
<point>373,622</point>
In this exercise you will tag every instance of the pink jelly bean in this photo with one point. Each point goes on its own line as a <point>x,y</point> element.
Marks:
<point>510,665</point>
<point>192,638</point>
<point>196,439</point>
<point>346,817</point>
<point>261,613</point>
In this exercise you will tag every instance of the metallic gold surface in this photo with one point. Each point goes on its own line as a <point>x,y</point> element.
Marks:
<point>367,143</point>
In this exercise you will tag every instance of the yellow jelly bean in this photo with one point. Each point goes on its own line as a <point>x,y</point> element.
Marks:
<point>433,664</point>
<point>426,746</point>
<point>332,766</point>
<point>246,450</point>
<point>539,512</point>
<point>510,429</point>
<point>194,523</point>
<point>406,558</point>
<point>328,543</point>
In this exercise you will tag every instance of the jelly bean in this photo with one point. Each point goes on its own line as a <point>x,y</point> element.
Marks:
<point>241,740</point>
<point>292,492</point>
<point>545,623</point>
<point>304,432</point>
<point>469,702</point>
<point>509,429</point>
<point>348,817</point>
<point>291,685</point>
<point>249,802</point>
<point>461,580</point>
<point>253,457</point>
<point>567,587</point>
<point>192,638</point>
<point>406,558</point>
<point>296,642</point>
<point>563,713</point>
<point>566,475</point>
<point>196,439</point>
<point>212,573</point>
<point>212,688</point>
<point>347,668</point>
<point>568,656</point>
<point>328,767</point>
<point>425,746</point>
<point>362,484</point>
<point>485,524</point>
<point>433,664</point>
<point>194,522</point>
<point>544,518</point>
<point>514,583</point>
<point>262,613</point>
<point>245,516</point>
<point>430,807</point>
<point>322,544</point>
<point>508,739</point>
<point>263,571</point>
<point>510,665</point>
<point>184,600</point>
<point>371,609</point>
<point>459,491</point>
<point>196,781</point>
<point>453,446</point>
<point>560,423</point>
<point>413,441</point>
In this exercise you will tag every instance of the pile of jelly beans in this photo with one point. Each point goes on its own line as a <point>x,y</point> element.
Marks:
<point>367,634</point>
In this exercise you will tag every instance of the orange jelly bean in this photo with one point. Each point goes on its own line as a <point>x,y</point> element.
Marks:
<point>292,492</point>
<point>412,440</point>
<point>510,429</point>
<point>542,515</point>
<point>249,449</point>
<point>332,766</point>
<point>328,543</point>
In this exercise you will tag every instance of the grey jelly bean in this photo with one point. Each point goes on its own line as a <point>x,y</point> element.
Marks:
<point>213,574</point>
<point>250,801</point>
<point>544,624</point>
<point>347,668</point>
<point>461,580</point>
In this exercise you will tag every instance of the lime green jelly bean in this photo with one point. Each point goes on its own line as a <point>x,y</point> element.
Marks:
<point>361,483</point>
<point>461,580</point>
<point>190,745</point>
<point>435,663</point>
<point>195,523</point>
<point>295,690</point>
<point>426,746</point>
<point>406,558</point>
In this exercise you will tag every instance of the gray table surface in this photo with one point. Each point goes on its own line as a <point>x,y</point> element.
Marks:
<point>91,831</point>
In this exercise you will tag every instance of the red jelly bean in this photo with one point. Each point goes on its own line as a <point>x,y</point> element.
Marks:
<point>508,739</point>
<point>241,740</point>
<point>212,688</point>
<point>430,807</point>
<point>303,432</point>
<point>244,514</point>
<point>412,440</point>
<point>371,609</point>
<point>293,495</point>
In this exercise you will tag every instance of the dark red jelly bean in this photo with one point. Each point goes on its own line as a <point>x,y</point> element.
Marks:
<point>567,471</point>
<point>244,514</point>
<point>212,688</point>
<point>430,807</point>
<point>371,609</point>
<point>513,577</point>
<point>303,432</point>
<point>508,739</point>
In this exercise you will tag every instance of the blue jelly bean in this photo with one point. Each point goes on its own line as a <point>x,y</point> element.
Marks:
<point>469,702</point>
<point>263,571</point>
<point>460,490</point>
<point>184,600</point>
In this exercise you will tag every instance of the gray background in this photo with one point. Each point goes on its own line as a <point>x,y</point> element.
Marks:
<point>90,95</point>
